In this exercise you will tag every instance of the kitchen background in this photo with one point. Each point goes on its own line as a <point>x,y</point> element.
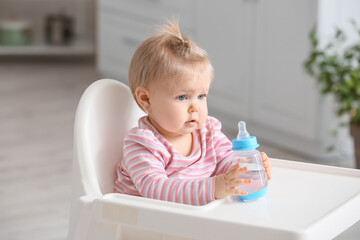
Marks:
<point>51,50</point>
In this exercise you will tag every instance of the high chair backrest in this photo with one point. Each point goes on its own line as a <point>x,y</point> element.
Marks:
<point>105,113</point>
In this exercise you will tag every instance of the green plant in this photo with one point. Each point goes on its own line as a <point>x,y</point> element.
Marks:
<point>338,71</point>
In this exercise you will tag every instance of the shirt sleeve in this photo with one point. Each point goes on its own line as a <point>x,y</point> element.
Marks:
<point>145,159</point>
<point>222,146</point>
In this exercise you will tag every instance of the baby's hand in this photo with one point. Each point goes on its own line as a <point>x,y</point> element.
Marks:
<point>225,184</point>
<point>267,164</point>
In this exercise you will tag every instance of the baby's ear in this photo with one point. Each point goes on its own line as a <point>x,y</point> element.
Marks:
<point>142,97</point>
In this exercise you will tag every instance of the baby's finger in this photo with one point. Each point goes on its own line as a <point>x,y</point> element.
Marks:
<point>240,193</point>
<point>269,168</point>
<point>239,182</point>
<point>268,173</point>
<point>228,176</point>
<point>233,167</point>
<point>266,163</point>
<point>236,173</point>
<point>264,156</point>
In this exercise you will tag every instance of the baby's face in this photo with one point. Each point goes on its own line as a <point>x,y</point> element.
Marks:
<point>182,108</point>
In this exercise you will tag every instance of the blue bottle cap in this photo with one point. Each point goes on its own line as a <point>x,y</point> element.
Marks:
<point>244,141</point>
<point>245,144</point>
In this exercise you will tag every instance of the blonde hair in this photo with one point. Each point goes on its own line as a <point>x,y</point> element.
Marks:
<point>165,56</point>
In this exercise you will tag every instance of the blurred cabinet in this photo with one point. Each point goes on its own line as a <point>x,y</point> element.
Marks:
<point>257,48</point>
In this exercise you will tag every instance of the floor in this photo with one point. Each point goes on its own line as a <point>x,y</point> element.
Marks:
<point>38,102</point>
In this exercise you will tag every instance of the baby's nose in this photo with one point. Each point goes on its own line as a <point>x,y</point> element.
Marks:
<point>193,107</point>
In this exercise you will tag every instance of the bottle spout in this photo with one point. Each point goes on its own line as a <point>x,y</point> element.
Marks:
<point>244,141</point>
<point>243,133</point>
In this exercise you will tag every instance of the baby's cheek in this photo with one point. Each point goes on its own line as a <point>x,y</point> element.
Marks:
<point>202,121</point>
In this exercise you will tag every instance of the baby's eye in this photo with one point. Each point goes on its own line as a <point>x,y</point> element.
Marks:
<point>181,97</point>
<point>201,96</point>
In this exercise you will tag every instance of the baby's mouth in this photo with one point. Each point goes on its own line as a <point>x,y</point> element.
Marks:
<point>191,121</point>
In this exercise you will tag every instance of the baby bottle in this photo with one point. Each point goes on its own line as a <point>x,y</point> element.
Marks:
<point>247,155</point>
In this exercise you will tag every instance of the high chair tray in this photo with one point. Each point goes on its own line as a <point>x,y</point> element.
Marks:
<point>304,201</point>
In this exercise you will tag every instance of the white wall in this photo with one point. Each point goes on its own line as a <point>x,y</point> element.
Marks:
<point>338,13</point>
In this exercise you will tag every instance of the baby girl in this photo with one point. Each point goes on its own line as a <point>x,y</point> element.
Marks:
<point>177,153</point>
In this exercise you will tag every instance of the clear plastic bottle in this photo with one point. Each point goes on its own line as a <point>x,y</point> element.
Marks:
<point>247,155</point>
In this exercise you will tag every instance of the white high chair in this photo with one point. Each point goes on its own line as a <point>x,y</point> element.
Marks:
<point>300,203</point>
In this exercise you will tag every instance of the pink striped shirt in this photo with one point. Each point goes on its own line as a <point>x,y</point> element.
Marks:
<point>153,168</point>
